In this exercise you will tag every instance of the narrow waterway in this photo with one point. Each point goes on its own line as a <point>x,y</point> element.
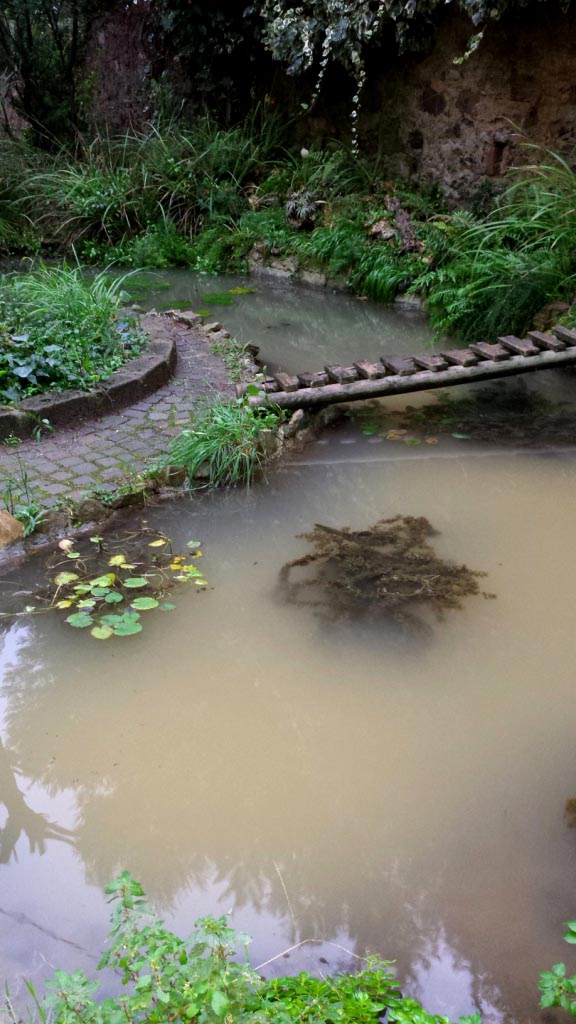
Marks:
<point>363,787</point>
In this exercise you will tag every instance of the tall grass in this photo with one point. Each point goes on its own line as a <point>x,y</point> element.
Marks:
<point>226,440</point>
<point>491,276</point>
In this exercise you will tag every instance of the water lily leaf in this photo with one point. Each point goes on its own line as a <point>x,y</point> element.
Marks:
<point>80,620</point>
<point>100,591</point>
<point>73,554</point>
<point>412,441</point>
<point>64,604</point>
<point>144,603</point>
<point>82,588</point>
<point>135,581</point>
<point>192,544</point>
<point>86,603</point>
<point>462,437</point>
<point>31,608</point>
<point>117,560</point>
<point>431,440</point>
<point>158,543</point>
<point>113,597</point>
<point>200,583</point>
<point>102,632</point>
<point>127,628</point>
<point>65,577</point>
<point>112,619</point>
<point>166,607</point>
<point>96,540</point>
<point>104,581</point>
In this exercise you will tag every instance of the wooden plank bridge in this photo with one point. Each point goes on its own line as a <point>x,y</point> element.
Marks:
<point>397,375</point>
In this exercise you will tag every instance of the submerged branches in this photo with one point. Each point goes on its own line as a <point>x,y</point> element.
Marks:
<point>388,572</point>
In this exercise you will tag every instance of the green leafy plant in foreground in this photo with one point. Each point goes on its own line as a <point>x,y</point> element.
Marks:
<point>200,980</point>
<point>61,330</point>
<point>557,988</point>
<point>226,440</point>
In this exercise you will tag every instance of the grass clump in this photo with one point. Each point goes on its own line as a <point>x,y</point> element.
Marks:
<point>59,330</point>
<point>201,979</point>
<point>225,444</point>
<point>388,572</point>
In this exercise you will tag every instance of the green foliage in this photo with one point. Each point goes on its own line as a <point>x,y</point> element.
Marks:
<point>200,979</point>
<point>491,276</point>
<point>61,330</point>
<point>226,439</point>
<point>19,499</point>
<point>40,45</point>
<point>557,988</point>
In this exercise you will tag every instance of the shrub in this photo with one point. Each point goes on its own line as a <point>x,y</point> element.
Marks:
<point>199,980</point>
<point>227,438</point>
<point>61,330</point>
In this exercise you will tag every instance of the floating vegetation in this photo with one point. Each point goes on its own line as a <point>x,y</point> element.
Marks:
<point>218,298</point>
<point>204,312</point>
<point>389,572</point>
<point>242,291</point>
<point>107,586</point>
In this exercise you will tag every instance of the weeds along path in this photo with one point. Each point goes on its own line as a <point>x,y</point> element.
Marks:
<point>102,453</point>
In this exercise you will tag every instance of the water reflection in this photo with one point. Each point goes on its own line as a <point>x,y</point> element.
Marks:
<point>237,757</point>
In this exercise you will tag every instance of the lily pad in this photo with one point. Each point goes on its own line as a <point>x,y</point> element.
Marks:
<point>113,597</point>
<point>135,581</point>
<point>144,603</point>
<point>127,628</point>
<point>102,632</point>
<point>80,620</point>
<point>65,577</point>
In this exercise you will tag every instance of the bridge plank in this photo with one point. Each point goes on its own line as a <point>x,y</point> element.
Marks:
<point>488,351</point>
<point>431,361</point>
<point>461,356</point>
<point>519,346</point>
<point>547,342</point>
<point>565,335</point>
<point>287,382</point>
<point>400,366</point>
<point>342,374</point>
<point>369,371</point>
<point>314,380</point>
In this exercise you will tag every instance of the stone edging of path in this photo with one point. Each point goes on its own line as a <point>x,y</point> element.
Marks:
<point>138,378</point>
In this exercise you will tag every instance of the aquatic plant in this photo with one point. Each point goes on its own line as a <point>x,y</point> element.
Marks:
<point>226,440</point>
<point>200,979</point>
<point>388,572</point>
<point>106,592</point>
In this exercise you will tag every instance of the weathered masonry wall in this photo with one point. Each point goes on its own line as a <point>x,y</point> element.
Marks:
<point>451,123</point>
<point>455,123</point>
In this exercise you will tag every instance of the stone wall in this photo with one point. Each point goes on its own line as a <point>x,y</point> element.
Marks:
<point>451,123</point>
<point>456,123</point>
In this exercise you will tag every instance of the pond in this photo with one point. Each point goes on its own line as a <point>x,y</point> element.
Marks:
<point>374,790</point>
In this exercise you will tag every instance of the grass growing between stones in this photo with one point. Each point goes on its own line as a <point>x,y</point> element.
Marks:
<point>225,444</point>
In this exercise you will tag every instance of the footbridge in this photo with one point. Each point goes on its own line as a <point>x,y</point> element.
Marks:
<point>400,375</point>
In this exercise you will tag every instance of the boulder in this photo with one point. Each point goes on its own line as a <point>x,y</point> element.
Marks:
<point>10,528</point>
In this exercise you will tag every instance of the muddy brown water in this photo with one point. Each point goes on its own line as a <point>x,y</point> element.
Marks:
<point>342,783</point>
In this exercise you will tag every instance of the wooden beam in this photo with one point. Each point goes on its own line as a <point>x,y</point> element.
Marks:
<point>315,398</point>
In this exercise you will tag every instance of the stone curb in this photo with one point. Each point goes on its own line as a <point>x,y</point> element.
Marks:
<point>135,380</point>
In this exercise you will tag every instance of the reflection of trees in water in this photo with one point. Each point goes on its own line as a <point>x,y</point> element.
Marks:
<point>21,819</point>
<point>162,790</point>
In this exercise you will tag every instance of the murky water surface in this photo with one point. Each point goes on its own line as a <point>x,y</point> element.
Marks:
<point>330,782</point>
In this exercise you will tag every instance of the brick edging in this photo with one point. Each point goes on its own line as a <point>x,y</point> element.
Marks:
<point>138,378</point>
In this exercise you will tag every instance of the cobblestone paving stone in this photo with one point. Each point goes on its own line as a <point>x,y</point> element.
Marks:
<point>105,452</point>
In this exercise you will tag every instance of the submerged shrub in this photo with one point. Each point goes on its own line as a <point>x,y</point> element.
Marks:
<point>388,572</point>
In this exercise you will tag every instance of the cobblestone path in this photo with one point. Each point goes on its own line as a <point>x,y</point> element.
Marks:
<point>103,452</point>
